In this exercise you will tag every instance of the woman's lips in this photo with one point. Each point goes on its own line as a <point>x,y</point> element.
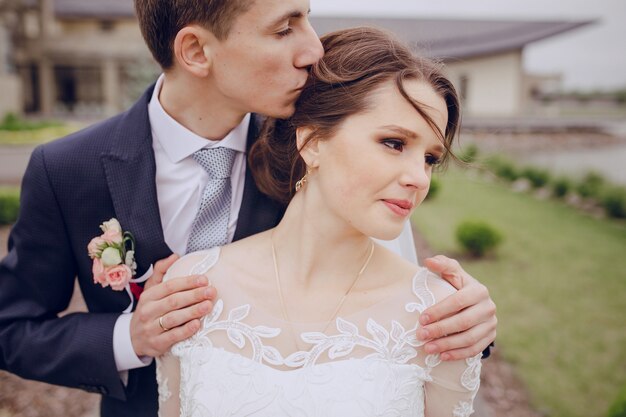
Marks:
<point>399,207</point>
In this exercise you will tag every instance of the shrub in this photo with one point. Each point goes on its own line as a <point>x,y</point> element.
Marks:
<point>537,177</point>
<point>618,408</point>
<point>614,202</point>
<point>435,186</point>
<point>469,154</point>
<point>11,122</point>
<point>503,168</point>
<point>9,205</point>
<point>591,185</point>
<point>477,237</point>
<point>561,186</point>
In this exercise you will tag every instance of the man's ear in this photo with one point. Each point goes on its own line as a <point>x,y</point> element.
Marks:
<point>308,145</point>
<point>192,50</point>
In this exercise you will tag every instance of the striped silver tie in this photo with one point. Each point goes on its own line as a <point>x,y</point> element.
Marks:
<point>210,227</point>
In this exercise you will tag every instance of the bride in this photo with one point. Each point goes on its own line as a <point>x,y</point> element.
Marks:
<point>314,318</point>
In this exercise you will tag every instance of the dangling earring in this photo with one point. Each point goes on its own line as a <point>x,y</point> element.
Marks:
<point>302,181</point>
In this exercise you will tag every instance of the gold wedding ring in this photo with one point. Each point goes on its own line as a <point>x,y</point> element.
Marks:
<point>165,329</point>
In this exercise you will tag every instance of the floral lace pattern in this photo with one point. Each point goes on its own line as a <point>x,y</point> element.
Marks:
<point>389,376</point>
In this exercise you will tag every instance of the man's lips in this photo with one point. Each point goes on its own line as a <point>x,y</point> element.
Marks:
<point>399,207</point>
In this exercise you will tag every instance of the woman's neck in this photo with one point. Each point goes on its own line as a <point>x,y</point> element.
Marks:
<point>314,246</point>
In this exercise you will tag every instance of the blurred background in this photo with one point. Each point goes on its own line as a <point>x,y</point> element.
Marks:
<point>535,209</point>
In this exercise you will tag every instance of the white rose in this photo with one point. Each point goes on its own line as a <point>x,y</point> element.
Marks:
<point>112,225</point>
<point>111,257</point>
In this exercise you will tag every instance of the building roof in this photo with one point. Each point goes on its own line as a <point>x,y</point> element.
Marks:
<point>94,9</point>
<point>456,38</point>
<point>441,38</point>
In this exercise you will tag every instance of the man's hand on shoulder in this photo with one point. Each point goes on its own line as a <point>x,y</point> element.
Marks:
<point>169,312</point>
<point>463,324</point>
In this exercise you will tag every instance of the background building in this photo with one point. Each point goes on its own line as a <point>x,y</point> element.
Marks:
<point>86,58</point>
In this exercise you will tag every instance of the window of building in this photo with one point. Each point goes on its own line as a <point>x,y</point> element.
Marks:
<point>107,25</point>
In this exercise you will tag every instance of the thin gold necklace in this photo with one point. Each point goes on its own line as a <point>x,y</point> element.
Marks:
<point>341,301</point>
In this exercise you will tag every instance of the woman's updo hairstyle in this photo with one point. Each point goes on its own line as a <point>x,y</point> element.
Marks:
<point>356,62</point>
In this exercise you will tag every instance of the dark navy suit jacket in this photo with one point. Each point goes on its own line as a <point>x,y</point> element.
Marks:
<point>70,187</point>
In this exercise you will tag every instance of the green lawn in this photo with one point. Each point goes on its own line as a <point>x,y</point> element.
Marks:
<point>559,280</point>
<point>35,137</point>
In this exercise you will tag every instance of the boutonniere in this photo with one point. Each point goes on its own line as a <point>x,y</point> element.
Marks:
<point>113,255</point>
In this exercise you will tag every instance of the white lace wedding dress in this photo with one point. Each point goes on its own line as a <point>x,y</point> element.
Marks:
<point>246,362</point>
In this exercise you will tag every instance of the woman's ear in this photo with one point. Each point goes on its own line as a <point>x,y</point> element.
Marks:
<point>192,50</point>
<point>308,146</point>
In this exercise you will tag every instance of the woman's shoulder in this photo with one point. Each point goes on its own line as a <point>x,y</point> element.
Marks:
<point>194,263</point>
<point>231,257</point>
<point>424,284</point>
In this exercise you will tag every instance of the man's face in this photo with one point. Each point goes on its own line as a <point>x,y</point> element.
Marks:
<point>262,65</point>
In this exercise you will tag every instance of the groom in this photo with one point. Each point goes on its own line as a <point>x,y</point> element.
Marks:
<point>223,63</point>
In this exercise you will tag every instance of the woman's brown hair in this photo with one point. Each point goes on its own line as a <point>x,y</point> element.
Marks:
<point>355,63</point>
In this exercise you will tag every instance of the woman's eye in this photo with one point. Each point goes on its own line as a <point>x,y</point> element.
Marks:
<point>395,144</point>
<point>433,160</point>
<point>285,32</point>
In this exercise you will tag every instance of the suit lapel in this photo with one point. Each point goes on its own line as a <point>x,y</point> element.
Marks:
<point>258,212</point>
<point>130,171</point>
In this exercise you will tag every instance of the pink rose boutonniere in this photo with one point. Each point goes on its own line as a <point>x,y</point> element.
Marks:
<point>113,255</point>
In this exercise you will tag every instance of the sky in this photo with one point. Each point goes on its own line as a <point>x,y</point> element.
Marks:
<point>590,57</point>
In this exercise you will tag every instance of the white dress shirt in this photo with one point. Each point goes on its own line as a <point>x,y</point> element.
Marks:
<point>180,181</point>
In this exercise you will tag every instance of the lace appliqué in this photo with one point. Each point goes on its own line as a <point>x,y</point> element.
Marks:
<point>397,346</point>
<point>403,342</point>
<point>422,292</point>
<point>237,333</point>
<point>463,409</point>
<point>470,380</point>
<point>206,263</point>
<point>164,391</point>
<point>471,377</point>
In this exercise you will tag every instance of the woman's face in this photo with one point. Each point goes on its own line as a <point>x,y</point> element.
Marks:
<point>376,169</point>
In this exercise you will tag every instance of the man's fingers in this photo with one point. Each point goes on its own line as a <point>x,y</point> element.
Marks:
<point>472,341</point>
<point>160,269</point>
<point>179,300</point>
<point>164,341</point>
<point>449,269</point>
<point>464,353</point>
<point>175,285</point>
<point>461,322</point>
<point>452,304</point>
<point>178,318</point>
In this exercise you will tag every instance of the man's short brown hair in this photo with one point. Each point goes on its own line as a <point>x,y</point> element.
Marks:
<point>161,20</point>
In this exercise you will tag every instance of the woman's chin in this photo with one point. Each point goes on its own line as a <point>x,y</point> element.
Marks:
<point>388,233</point>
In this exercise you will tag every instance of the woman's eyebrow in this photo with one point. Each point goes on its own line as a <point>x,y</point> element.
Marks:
<point>401,130</point>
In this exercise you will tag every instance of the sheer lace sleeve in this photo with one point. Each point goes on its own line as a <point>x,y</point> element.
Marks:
<point>168,378</point>
<point>168,369</point>
<point>453,384</point>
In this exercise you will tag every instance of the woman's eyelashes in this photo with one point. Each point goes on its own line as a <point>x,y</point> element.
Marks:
<point>432,160</point>
<point>399,145</point>
<point>395,144</point>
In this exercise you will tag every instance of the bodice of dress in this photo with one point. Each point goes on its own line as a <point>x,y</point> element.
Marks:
<point>245,362</point>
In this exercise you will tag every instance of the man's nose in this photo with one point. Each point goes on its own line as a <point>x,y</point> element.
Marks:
<point>311,49</point>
